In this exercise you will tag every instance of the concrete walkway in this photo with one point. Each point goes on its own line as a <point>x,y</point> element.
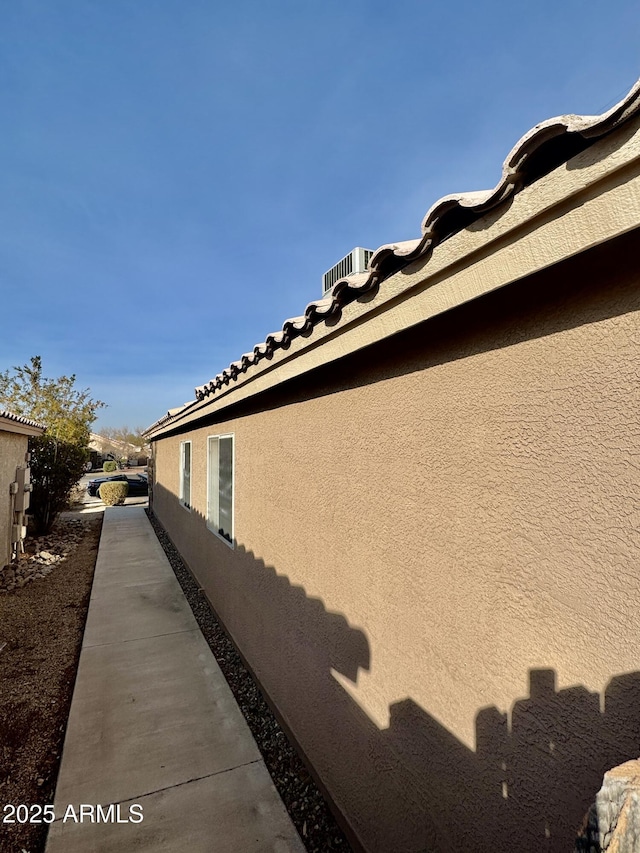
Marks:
<point>154,725</point>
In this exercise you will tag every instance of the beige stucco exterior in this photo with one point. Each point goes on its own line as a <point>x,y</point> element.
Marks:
<point>14,440</point>
<point>12,452</point>
<point>437,507</point>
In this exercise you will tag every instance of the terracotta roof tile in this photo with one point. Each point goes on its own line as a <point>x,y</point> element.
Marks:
<point>167,417</point>
<point>545,147</point>
<point>20,419</point>
<point>542,149</point>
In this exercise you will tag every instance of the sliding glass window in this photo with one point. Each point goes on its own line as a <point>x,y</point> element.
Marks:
<point>185,474</point>
<point>220,486</point>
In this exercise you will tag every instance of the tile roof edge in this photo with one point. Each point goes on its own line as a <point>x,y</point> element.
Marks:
<point>20,419</point>
<point>169,416</point>
<point>544,147</point>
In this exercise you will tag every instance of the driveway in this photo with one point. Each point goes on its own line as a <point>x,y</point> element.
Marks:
<point>90,504</point>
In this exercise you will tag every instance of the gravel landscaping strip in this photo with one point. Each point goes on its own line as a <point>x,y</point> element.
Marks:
<point>304,802</point>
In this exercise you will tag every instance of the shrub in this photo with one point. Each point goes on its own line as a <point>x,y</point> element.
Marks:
<point>114,493</point>
<point>56,466</point>
<point>109,467</point>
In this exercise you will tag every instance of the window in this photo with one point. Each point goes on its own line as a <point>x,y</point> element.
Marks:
<point>185,474</point>
<point>220,486</point>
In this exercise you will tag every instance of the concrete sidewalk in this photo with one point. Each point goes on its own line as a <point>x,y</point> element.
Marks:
<point>154,725</point>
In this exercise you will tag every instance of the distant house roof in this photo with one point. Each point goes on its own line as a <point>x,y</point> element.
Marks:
<point>18,423</point>
<point>545,148</point>
<point>101,444</point>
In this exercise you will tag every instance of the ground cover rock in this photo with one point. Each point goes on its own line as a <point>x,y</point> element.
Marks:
<point>43,553</point>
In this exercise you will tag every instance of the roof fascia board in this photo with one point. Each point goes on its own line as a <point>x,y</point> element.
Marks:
<point>591,199</point>
<point>7,425</point>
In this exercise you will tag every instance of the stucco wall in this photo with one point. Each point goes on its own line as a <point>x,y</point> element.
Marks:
<point>12,452</point>
<point>436,568</point>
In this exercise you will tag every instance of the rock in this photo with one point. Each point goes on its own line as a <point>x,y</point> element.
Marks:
<point>612,825</point>
<point>43,553</point>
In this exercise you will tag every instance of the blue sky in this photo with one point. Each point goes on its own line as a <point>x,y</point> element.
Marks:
<point>175,177</point>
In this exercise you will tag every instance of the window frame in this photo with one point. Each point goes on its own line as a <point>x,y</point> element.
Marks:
<point>210,486</point>
<point>183,503</point>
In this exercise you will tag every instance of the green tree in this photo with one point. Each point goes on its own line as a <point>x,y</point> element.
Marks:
<point>66,411</point>
<point>58,457</point>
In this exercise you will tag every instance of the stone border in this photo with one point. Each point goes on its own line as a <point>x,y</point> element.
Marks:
<point>305,804</point>
<point>43,554</point>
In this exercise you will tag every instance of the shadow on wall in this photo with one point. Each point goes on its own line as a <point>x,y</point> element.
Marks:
<point>413,786</point>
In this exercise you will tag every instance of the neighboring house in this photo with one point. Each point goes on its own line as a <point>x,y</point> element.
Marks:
<point>416,509</point>
<point>14,480</point>
<point>103,449</point>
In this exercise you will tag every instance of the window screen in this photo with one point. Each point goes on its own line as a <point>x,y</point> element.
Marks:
<point>220,486</point>
<point>185,473</point>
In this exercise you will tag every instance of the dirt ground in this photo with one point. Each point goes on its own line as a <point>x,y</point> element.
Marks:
<point>41,628</point>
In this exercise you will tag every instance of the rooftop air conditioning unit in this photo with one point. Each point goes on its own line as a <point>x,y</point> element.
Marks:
<point>355,262</point>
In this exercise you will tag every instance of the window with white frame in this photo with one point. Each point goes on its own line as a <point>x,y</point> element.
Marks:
<point>220,486</point>
<point>185,474</point>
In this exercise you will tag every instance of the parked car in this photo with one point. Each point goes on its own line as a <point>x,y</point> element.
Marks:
<point>138,484</point>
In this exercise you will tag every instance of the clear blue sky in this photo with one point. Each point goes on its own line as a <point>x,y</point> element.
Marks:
<point>176,176</point>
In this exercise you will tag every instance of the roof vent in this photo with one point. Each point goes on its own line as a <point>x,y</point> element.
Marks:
<point>355,262</point>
